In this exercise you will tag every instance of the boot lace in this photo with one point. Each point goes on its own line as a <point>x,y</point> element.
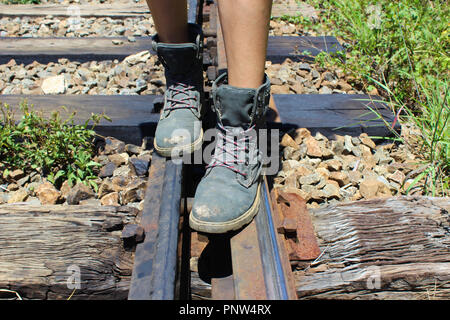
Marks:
<point>227,152</point>
<point>180,97</point>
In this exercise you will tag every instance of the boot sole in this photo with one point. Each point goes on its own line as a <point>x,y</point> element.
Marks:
<point>187,149</point>
<point>223,227</point>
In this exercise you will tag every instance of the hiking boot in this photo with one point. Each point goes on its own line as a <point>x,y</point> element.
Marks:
<point>228,196</point>
<point>179,129</point>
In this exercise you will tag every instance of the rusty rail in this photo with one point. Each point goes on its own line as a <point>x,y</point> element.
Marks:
<point>155,262</point>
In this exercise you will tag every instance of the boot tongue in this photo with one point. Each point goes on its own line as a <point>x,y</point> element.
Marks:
<point>235,106</point>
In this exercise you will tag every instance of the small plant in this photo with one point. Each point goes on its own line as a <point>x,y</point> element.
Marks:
<point>58,149</point>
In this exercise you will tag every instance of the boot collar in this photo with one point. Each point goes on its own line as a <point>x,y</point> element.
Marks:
<point>243,107</point>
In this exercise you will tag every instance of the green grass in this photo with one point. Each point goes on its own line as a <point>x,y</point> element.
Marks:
<point>58,149</point>
<point>402,49</point>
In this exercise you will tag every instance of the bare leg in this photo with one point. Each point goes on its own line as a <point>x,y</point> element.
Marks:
<point>245,27</point>
<point>170,17</point>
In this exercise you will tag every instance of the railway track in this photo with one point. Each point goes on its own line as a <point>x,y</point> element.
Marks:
<point>252,263</point>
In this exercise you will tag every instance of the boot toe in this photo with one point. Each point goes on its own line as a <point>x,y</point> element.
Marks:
<point>177,134</point>
<point>221,210</point>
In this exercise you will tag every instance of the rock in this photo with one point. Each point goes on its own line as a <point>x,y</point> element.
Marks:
<point>322,182</point>
<point>354,177</point>
<point>106,187</point>
<point>337,147</point>
<point>102,159</point>
<point>107,170</point>
<point>65,188</point>
<point>54,85</point>
<point>348,161</point>
<point>340,177</point>
<point>313,161</point>
<point>18,196</point>
<point>373,92</point>
<point>323,172</point>
<point>140,166</point>
<point>328,76</point>
<point>366,140</point>
<point>110,199</point>
<point>132,234</point>
<point>397,176</point>
<point>276,82</point>
<point>382,157</point>
<point>289,165</point>
<point>333,165</point>
<point>348,145</point>
<point>125,171</point>
<point>142,56</point>
<point>119,158</point>
<point>85,74</point>
<point>279,89</point>
<point>400,155</point>
<point>310,179</point>
<point>297,88</point>
<point>356,141</point>
<point>301,134</point>
<point>135,191</point>
<point>327,153</point>
<point>303,170</point>
<point>372,188</point>
<point>331,191</point>
<point>23,180</point>
<point>368,159</point>
<point>348,193</point>
<point>304,66</point>
<point>16,174</point>
<point>313,148</point>
<point>79,192</point>
<point>47,193</point>
<point>325,90</point>
<point>32,187</point>
<point>317,195</point>
<point>369,188</point>
<point>13,187</point>
<point>288,153</point>
<point>287,141</point>
<point>320,137</point>
<point>315,74</point>
<point>381,170</point>
<point>133,149</point>
<point>112,145</point>
<point>288,29</point>
<point>291,180</point>
<point>343,85</point>
<point>119,183</point>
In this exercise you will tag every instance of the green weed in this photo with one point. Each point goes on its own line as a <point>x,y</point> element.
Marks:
<point>58,149</point>
<point>402,49</point>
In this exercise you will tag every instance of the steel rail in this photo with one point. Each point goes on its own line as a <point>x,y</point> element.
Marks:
<point>274,277</point>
